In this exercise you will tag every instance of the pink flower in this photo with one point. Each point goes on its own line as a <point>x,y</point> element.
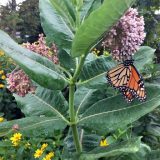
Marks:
<point>41,48</point>
<point>124,39</point>
<point>19,83</point>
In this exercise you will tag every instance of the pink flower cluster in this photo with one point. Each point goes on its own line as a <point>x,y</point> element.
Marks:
<point>124,39</point>
<point>19,83</point>
<point>41,48</point>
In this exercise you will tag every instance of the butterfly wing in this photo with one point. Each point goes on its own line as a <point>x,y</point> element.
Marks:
<point>128,96</point>
<point>119,76</point>
<point>136,84</point>
<point>126,78</point>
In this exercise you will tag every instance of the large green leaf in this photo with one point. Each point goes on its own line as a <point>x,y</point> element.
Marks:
<point>143,56</point>
<point>98,22</point>
<point>93,74</point>
<point>140,155</point>
<point>85,98</point>
<point>44,74</point>
<point>45,110</point>
<point>125,147</point>
<point>84,12</point>
<point>65,9</point>
<point>44,102</point>
<point>113,112</point>
<point>33,126</point>
<point>153,155</point>
<point>66,60</point>
<point>89,141</point>
<point>56,26</point>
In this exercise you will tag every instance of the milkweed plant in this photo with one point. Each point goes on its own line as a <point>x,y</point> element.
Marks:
<point>60,85</point>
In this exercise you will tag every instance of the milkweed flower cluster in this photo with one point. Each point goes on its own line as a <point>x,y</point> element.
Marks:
<point>41,48</point>
<point>16,138</point>
<point>124,39</point>
<point>19,83</point>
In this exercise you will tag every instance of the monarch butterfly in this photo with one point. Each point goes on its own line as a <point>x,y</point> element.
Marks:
<point>126,79</point>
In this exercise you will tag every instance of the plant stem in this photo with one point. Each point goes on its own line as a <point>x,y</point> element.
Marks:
<point>72,113</point>
<point>78,69</point>
<point>73,120</point>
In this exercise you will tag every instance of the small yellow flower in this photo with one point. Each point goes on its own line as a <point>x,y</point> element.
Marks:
<point>44,146</point>
<point>1,71</point>
<point>1,119</point>
<point>104,143</point>
<point>49,156</point>
<point>16,139</point>
<point>95,51</point>
<point>1,85</point>
<point>1,53</point>
<point>3,77</point>
<point>38,153</point>
<point>1,158</point>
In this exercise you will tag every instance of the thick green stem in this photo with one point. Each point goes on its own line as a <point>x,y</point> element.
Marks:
<point>71,103</point>
<point>73,120</point>
<point>72,113</point>
<point>78,70</point>
<point>76,139</point>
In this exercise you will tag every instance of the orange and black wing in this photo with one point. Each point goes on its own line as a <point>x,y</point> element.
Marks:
<point>119,76</point>
<point>126,79</point>
<point>136,85</point>
<point>128,96</point>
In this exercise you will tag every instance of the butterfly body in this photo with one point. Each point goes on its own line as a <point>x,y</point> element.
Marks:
<point>127,80</point>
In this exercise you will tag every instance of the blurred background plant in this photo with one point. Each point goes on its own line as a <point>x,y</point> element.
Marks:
<point>21,21</point>
<point>150,9</point>
<point>8,105</point>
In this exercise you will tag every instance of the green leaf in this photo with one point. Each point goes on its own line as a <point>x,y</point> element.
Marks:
<point>33,126</point>
<point>44,102</point>
<point>66,10</point>
<point>36,70</point>
<point>154,155</point>
<point>85,98</point>
<point>125,147</point>
<point>93,74</point>
<point>112,113</point>
<point>84,12</point>
<point>144,56</point>
<point>98,23</point>
<point>66,60</point>
<point>140,155</point>
<point>56,27</point>
<point>89,142</point>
